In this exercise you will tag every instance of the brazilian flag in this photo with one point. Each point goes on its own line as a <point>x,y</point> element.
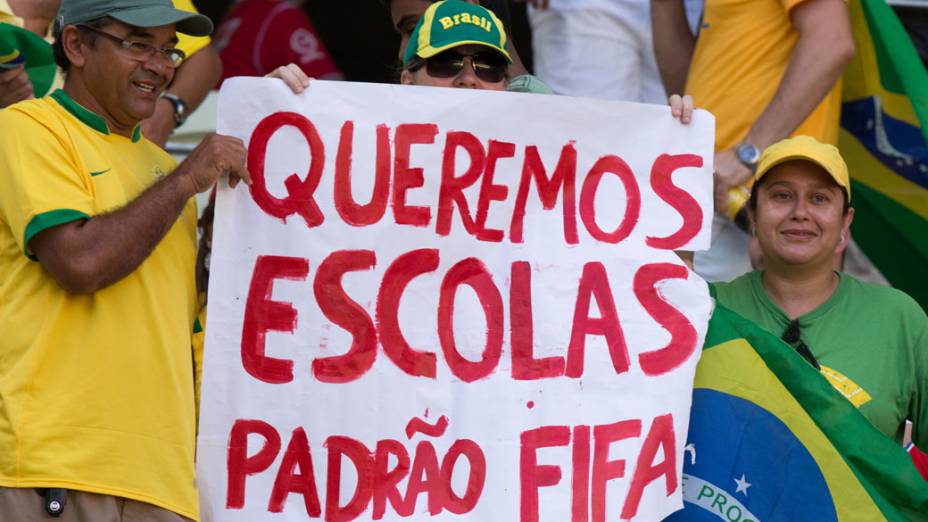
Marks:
<point>771,440</point>
<point>884,139</point>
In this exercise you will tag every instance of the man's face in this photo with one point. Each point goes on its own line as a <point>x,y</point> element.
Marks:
<point>127,86</point>
<point>406,14</point>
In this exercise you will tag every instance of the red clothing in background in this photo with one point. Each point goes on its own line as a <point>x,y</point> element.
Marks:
<point>257,36</point>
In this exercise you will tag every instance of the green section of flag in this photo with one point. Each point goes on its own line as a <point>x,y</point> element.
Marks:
<point>883,228</point>
<point>900,69</point>
<point>884,140</point>
<point>880,468</point>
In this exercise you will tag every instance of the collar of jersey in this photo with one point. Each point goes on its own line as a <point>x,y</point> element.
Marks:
<point>88,117</point>
<point>805,320</point>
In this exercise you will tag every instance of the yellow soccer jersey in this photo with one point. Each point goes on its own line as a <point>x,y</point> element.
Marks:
<point>742,52</point>
<point>96,391</point>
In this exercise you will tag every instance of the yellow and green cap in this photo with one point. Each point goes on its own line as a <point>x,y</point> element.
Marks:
<point>451,23</point>
<point>22,48</point>
<point>809,149</point>
<point>139,13</point>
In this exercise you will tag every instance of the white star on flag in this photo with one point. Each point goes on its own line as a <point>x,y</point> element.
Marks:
<point>743,485</point>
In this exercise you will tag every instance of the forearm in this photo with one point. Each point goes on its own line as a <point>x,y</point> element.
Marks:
<point>87,256</point>
<point>817,62</point>
<point>516,68</point>
<point>673,43</point>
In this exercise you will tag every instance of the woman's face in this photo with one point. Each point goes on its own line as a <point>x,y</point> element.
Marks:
<point>466,78</point>
<point>799,219</point>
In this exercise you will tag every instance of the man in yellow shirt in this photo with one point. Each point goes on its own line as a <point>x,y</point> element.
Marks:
<point>97,251</point>
<point>767,69</point>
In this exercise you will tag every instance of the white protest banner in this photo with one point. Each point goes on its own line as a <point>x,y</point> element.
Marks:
<point>444,304</point>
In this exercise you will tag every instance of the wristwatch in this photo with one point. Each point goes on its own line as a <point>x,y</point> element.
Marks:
<point>180,108</point>
<point>748,154</point>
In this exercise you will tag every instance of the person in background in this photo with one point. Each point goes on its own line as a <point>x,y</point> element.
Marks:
<point>97,252</point>
<point>258,36</point>
<point>405,14</point>
<point>598,48</point>
<point>766,69</point>
<point>870,341</point>
<point>459,56</point>
<point>192,82</point>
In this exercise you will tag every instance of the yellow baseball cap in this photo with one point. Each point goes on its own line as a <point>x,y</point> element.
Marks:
<point>809,149</point>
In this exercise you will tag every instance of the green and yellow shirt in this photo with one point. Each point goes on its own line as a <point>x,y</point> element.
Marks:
<point>96,391</point>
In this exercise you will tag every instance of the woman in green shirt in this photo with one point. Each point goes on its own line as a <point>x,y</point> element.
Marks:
<point>869,341</point>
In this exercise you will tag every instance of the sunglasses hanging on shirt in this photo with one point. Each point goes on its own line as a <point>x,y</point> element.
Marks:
<point>793,337</point>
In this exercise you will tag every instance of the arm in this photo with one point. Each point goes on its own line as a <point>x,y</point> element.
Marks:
<point>824,48</point>
<point>192,82</point>
<point>673,43</point>
<point>501,10</point>
<point>14,86</point>
<point>88,255</point>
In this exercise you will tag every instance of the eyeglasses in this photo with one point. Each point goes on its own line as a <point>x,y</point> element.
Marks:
<point>139,50</point>
<point>793,335</point>
<point>488,66</point>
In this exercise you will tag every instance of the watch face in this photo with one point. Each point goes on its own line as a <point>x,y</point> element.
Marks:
<point>747,153</point>
<point>180,109</point>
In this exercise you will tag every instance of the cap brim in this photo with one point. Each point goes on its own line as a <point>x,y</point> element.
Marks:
<point>430,51</point>
<point>153,16</point>
<point>810,159</point>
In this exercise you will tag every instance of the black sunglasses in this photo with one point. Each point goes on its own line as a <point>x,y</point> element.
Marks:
<point>793,336</point>
<point>488,66</point>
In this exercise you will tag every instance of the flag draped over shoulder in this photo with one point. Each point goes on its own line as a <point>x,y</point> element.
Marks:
<point>884,139</point>
<point>770,439</point>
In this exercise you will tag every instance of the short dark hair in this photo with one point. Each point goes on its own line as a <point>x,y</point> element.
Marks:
<point>752,201</point>
<point>61,58</point>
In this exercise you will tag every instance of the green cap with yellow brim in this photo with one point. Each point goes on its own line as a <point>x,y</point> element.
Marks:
<point>809,149</point>
<point>139,13</point>
<point>22,48</point>
<point>451,23</point>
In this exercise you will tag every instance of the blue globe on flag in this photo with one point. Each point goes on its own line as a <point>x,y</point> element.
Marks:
<point>743,464</point>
